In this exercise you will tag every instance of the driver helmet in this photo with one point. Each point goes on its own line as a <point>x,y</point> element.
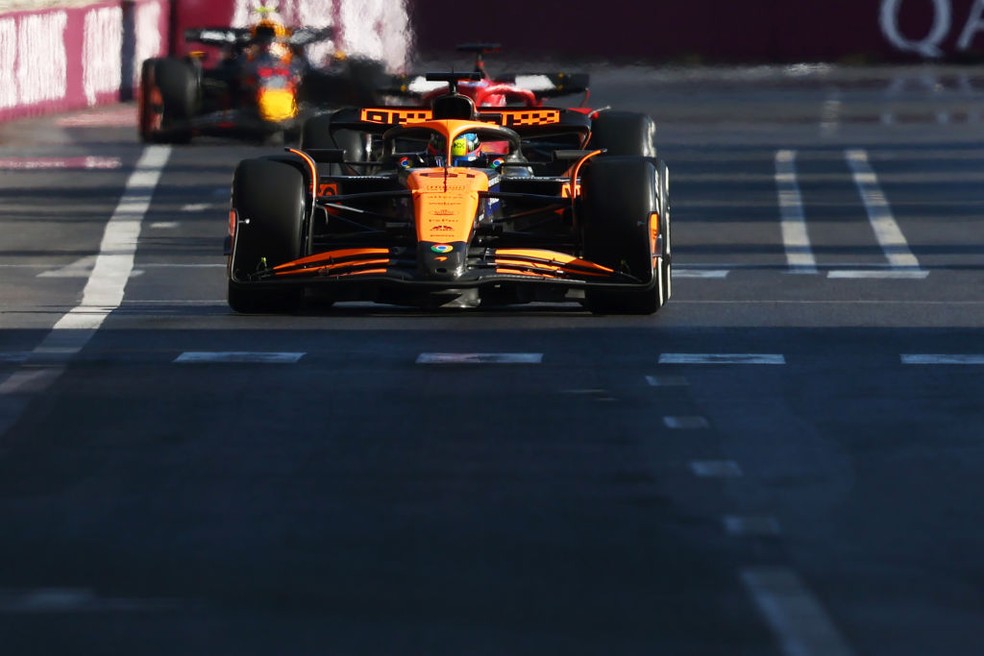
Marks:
<point>268,30</point>
<point>464,149</point>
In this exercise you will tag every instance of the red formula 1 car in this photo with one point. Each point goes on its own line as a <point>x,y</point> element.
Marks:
<point>263,87</point>
<point>452,210</point>
<point>523,89</point>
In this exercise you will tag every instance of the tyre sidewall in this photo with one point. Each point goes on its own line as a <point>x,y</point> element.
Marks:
<point>623,133</point>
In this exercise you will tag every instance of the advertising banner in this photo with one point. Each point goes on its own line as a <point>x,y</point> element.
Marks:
<point>76,56</point>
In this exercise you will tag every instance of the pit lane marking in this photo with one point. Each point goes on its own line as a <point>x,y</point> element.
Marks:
<point>942,358</point>
<point>685,422</point>
<point>667,381</point>
<point>74,600</point>
<point>480,358</point>
<point>716,469</point>
<point>47,163</point>
<point>718,274</point>
<point>104,290</point>
<point>238,357</point>
<point>751,525</point>
<point>887,231</point>
<point>722,358</point>
<point>794,614</point>
<point>795,238</point>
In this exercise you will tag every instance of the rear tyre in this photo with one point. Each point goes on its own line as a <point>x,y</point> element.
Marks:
<point>178,86</point>
<point>624,133</point>
<point>269,198</point>
<point>619,197</point>
<point>149,105</point>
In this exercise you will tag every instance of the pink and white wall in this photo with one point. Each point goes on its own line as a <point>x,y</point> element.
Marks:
<point>70,57</point>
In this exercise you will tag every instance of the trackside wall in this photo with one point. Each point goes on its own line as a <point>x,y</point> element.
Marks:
<point>709,30</point>
<point>75,56</point>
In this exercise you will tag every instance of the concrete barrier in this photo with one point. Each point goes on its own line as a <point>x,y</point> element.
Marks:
<point>75,56</point>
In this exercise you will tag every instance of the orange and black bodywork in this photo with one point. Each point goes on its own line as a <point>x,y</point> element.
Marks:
<point>413,226</point>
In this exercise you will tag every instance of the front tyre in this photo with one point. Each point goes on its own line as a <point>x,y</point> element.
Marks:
<point>269,198</point>
<point>622,228</point>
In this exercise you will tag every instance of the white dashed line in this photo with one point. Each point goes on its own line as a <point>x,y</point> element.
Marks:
<point>943,358</point>
<point>716,469</point>
<point>887,231</point>
<point>793,613</point>
<point>706,274</point>
<point>667,381</point>
<point>73,600</point>
<point>685,422</point>
<point>882,274</point>
<point>830,115</point>
<point>479,358</point>
<point>795,238</point>
<point>237,357</point>
<point>45,163</point>
<point>722,358</point>
<point>754,526</point>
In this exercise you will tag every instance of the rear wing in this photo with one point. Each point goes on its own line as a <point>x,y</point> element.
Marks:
<point>218,36</point>
<point>241,36</point>
<point>524,120</point>
<point>542,85</point>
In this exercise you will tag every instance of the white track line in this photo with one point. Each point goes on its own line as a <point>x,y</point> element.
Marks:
<point>943,358</point>
<point>104,291</point>
<point>793,613</point>
<point>751,526</point>
<point>686,422</point>
<point>102,294</point>
<point>887,231</point>
<point>237,357</point>
<point>722,358</point>
<point>479,358</point>
<point>716,469</point>
<point>799,253</point>
<point>718,274</point>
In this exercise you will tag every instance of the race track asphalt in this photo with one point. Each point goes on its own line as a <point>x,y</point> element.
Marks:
<point>785,460</point>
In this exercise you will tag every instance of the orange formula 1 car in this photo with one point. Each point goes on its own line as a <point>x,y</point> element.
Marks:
<point>452,212</point>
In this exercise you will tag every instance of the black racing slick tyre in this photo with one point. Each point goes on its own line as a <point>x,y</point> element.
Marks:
<point>624,133</point>
<point>620,203</point>
<point>269,199</point>
<point>178,86</point>
<point>149,105</point>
